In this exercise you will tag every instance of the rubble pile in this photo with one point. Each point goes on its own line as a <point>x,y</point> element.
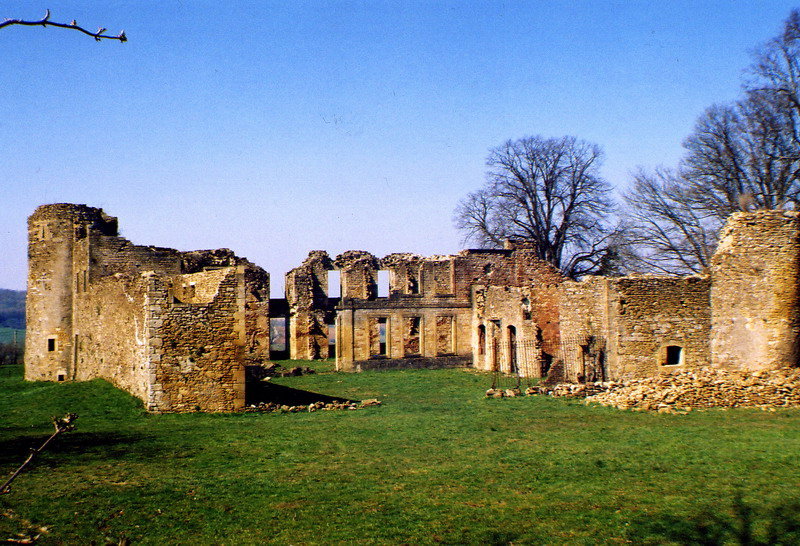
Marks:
<point>272,407</point>
<point>704,388</point>
<point>683,391</point>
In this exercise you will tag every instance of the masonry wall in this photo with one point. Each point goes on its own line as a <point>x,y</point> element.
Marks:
<point>111,333</point>
<point>625,325</point>
<point>172,328</point>
<point>756,319</point>
<point>196,346</point>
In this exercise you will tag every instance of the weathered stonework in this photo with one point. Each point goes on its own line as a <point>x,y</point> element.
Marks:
<point>177,329</point>
<point>623,327</point>
<point>754,296</point>
<point>174,329</point>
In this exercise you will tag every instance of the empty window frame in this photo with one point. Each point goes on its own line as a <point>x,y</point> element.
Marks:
<point>334,283</point>
<point>412,344</point>
<point>383,283</point>
<point>51,344</point>
<point>673,355</point>
<point>445,335</point>
<point>378,334</point>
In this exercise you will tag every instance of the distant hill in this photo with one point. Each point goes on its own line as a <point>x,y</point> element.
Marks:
<point>12,308</point>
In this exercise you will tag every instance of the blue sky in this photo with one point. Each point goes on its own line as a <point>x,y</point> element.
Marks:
<point>274,127</point>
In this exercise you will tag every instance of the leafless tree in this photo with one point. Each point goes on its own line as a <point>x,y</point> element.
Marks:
<point>663,229</point>
<point>742,155</point>
<point>546,191</point>
<point>46,22</point>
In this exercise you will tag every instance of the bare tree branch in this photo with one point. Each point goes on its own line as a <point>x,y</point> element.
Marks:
<point>547,191</point>
<point>46,22</point>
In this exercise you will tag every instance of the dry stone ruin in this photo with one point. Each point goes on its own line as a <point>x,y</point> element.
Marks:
<point>180,329</point>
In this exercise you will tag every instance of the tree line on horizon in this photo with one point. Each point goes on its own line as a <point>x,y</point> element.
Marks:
<point>740,156</point>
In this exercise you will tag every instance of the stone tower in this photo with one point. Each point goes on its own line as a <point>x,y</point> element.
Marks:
<point>755,306</point>
<point>58,267</point>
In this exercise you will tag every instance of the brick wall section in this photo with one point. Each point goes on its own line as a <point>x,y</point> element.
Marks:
<point>754,296</point>
<point>99,306</point>
<point>309,314</point>
<point>196,351</point>
<point>635,319</point>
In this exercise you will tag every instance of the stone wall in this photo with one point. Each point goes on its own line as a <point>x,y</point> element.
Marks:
<point>634,326</point>
<point>172,328</point>
<point>196,347</point>
<point>754,296</point>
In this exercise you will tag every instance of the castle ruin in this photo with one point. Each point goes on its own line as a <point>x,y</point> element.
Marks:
<point>178,329</point>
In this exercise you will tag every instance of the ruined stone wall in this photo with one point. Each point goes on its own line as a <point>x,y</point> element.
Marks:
<point>99,306</point>
<point>428,313</point>
<point>640,325</point>
<point>110,333</point>
<point>196,348</point>
<point>418,335</point>
<point>754,295</point>
<point>309,308</point>
<point>52,230</point>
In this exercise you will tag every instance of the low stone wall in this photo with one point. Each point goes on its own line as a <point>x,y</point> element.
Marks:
<point>413,363</point>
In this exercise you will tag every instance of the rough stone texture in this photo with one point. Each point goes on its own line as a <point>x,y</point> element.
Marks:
<point>177,328</point>
<point>429,310</point>
<point>309,307</point>
<point>515,319</point>
<point>634,320</point>
<point>701,388</point>
<point>172,328</point>
<point>754,296</point>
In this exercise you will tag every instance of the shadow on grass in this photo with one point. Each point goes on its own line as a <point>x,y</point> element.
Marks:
<point>85,445</point>
<point>744,525</point>
<point>265,391</point>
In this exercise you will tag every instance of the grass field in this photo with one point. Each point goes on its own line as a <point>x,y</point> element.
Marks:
<point>437,463</point>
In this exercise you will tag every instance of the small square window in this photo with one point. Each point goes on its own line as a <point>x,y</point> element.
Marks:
<point>674,355</point>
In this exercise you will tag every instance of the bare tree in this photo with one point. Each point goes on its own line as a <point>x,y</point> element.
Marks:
<point>663,229</point>
<point>549,192</point>
<point>46,22</point>
<point>741,155</point>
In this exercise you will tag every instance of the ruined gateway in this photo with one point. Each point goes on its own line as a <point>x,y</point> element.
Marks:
<point>180,329</point>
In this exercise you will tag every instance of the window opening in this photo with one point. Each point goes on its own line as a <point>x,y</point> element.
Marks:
<point>378,333</point>
<point>512,350</point>
<point>277,334</point>
<point>334,283</point>
<point>674,355</point>
<point>481,339</point>
<point>331,340</point>
<point>413,345</point>
<point>51,344</point>
<point>383,283</point>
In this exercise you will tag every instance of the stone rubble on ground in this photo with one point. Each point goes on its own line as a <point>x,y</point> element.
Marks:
<point>686,390</point>
<point>273,407</point>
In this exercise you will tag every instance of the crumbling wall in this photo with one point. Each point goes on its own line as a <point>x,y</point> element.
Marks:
<point>359,274</point>
<point>754,295</point>
<point>99,306</point>
<point>429,311</point>
<point>634,326</point>
<point>309,314</point>
<point>196,347</point>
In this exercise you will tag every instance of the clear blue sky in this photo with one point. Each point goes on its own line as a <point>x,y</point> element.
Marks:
<point>278,127</point>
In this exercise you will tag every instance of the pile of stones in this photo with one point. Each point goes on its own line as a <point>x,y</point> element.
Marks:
<point>272,407</point>
<point>690,389</point>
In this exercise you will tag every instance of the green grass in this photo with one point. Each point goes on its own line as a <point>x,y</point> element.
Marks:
<point>436,463</point>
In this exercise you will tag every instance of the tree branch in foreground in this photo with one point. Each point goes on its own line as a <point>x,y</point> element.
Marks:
<point>62,424</point>
<point>46,22</point>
